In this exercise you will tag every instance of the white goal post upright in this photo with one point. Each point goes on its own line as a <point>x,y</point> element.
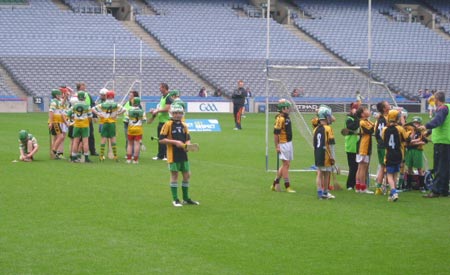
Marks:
<point>123,84</point>
<point>270,67</point>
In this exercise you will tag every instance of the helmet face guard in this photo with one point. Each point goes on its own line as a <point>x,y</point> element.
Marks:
<point>176,111</point>
<point>81,96</point>
<point>325,112</point>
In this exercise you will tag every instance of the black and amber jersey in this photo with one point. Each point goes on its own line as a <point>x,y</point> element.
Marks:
<point>366,130</point>
<point>379,125</point>
<point>283,128</point>
<point>394,138</point>
<point>323,138</point>
<point>176,130</point>
<point>415,134</point>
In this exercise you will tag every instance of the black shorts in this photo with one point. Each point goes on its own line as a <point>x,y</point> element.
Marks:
<point>56,129</point>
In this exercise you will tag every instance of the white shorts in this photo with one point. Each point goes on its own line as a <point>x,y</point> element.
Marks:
<point>325,168</point>
<point>362,158</point>
<point>286,151</point>
<point>64,127</point>
<point>432,108</point>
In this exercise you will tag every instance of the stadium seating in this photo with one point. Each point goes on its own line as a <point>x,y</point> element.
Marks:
<point>407,56</point>
<point>221,47</point>
<point>47,47</point>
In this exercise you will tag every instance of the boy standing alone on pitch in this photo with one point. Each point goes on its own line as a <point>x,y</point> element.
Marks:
<point>324,154</point>
<point>282,133</point>
<point>394,137</point>
<point>175,135</point>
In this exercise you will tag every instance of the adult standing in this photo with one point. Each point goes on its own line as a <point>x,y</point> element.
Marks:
<point>81,87</point>
<point>162,112</point>
<point>351,142</point>
<point>441,139</point>
<point>238,98</point>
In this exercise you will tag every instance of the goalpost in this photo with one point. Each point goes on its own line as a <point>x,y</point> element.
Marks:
<point>301,119</point>
<point>122,84</point>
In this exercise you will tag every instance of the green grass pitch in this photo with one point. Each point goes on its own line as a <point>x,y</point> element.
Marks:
<point>112,218</point>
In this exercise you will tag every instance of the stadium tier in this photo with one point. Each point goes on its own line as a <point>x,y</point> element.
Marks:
<point>407,56</point>
<point>223,47</point>
<point>44,47</point>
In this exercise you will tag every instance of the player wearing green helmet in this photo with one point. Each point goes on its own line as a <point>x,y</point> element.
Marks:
<point>176,100</point>
<point>81,114</point>
<point>324,154</point>
<point>175,135</point>
<point>28,146</point>
<point>282,133</point>
<point>135,117</point>
<point>414,154</point>
<point>56,123</point>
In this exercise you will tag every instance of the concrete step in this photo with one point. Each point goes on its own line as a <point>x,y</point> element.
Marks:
<point>138,31</point>
<point>14,87</point>
<point>144,7</point>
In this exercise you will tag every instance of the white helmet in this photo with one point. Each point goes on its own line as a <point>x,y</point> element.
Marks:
<point>103,91</point>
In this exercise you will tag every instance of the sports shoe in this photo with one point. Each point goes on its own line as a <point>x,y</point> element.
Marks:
<point>350,189</point>
<point>393,198</point>
<point>156,158</point>
<point>290,190</point>
<point>275,187</point>
<point>177,203</point>
<point>328,196</point>
<point>86,160</point>
<point>76,160</point>
<point>128,161</point>
<point>367,191</point>
<point>378,191</point>
<point>165,159</point>
<point>102,158</point>
<point>191,202</point>
<point>135,161</point>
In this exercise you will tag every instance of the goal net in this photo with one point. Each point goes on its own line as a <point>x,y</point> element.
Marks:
<point>308,87</point>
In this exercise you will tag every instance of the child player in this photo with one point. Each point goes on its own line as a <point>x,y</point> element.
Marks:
<point>324,153</point>
<point>282,133</point>
<point>81,115</point>
<point>414,154</point>
<point>364,149</point>
<point>135,117</point>
<point>28,146</point>
<point>394,137</point>
<point>175,135</point>
<point>108,112</point>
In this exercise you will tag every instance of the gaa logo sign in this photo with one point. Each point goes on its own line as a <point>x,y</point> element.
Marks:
<point>208,107</point>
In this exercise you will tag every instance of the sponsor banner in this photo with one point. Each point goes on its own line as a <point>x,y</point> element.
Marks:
<point>203,125</point>
<point>209,107</point>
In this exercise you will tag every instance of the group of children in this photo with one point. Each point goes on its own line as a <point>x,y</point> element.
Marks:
<point>399,144</point>
<point>68,113</point>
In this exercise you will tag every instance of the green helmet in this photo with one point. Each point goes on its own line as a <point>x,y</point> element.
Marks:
<point>23,135</point>
<point>55,92</point>
<point>136,101</point>
<point>324,112</point>
<point>417,119</point>
<point>81,96</point>
<point>283,103</point>
<point>174,93</point>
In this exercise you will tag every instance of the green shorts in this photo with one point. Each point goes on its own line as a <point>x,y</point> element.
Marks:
<point>381,154</point>
<point>179,166</point>
<point>414,158</point>
<point>80,132</point>
<point>108,130</point>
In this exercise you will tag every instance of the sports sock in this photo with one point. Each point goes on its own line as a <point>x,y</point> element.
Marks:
<point>358,185</point>
<point>363,186</point>
<point>174,190</point>
<point>319,193</point>
<point>378,185</point>
<point>286,182</point>
<point>114,149</point>
<point>421,181</point>
<point>128,156</point>
<point>86,157</point>
<point>102,150</point>
<point>401,181</point>
<point>185,189</point>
